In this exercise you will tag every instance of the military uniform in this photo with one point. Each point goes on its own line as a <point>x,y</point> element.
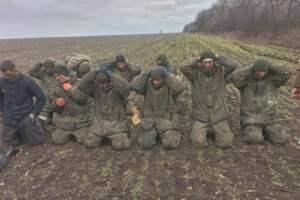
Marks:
<point>128,72</point>
<point>73,118</point>
<point>109,120</point>
<point>165,63</point>
<point>48,82</point>
<point>159,117</point>
<point>259,98</point>
<point>79,64</point>
<point>209,101</point>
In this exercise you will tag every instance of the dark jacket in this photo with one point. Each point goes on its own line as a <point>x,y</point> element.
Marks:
<point>16,99</point>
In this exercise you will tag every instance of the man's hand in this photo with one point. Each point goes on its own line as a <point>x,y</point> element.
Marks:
<point>106,70</point>
<point>296,93</point>
<point>32,117</point>
<point>67,86</point>
<point>60,102</point>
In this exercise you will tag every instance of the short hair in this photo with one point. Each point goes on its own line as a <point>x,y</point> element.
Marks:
<point>7,65</point>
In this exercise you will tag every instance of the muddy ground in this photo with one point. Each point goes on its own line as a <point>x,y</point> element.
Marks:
<point>72,171</point>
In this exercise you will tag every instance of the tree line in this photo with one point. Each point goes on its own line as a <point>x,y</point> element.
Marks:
<point>248,17</point>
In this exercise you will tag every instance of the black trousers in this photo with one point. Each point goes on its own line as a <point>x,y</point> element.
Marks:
<point>24,129</point>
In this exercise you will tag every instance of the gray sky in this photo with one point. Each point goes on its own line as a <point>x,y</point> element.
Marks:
<point>48,18</point>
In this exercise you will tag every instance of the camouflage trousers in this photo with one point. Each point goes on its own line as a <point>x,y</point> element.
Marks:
<point>223,134</point>
<point>24,129</point>
<point>170,139</point>
<point>256,134</point>
<point>119,141</point>
<point>61,136</point>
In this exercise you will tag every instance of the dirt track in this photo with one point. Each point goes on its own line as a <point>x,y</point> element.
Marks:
<point>73,172</point>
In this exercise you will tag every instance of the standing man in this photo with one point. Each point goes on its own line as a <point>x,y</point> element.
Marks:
<point>44,72</point>
<point>79,64</point>
<point>109,91</point>
<point>209,100</point>
<point>159,118</point>
<point>17,108</point>
<point>72,107</point>
<point>259,97</point>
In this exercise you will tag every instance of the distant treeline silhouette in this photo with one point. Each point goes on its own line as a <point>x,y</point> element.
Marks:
<point>249,17</point>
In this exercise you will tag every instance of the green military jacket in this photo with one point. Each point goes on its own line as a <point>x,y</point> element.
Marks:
<point>160,107</point>
<point>76,112</point>
<point>48,82</point>
<point>109,103</point>
<point>209,93</point>
<point>259,97</point>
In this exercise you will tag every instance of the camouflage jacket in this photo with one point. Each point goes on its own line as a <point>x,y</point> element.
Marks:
<point>76,112</point>
<point>109,103</point>
<point>160,106</point>
<point>75,59</point>
<point>48,82</point>
<point>209,93</point>
<point>296,79</point>
<point>259,97</point>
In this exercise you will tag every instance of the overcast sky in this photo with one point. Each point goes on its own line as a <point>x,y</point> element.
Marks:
<point>49,18</point>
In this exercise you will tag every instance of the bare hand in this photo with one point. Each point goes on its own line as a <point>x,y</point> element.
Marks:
<point>67,86</point>
<point>32,117</point>
<point>296,93</point>
<point>60,102</point>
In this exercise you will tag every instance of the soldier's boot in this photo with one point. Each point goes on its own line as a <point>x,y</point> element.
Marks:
<point>253,135</point>
<point>276,134</point>
<point>120,141</point>
<point>170,139</point>
<point>224,136</point>
<point>198,134</point>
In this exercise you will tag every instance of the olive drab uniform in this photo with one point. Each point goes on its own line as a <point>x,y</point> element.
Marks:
<point>165,63</point>
<point>259,98</point>
<point>296,79</point>
<point>209,101</point>
<point>74,118</point>
<point>109,120</point>
<point>48,82</point>
<point>159,117</point>
<point>129,72</point>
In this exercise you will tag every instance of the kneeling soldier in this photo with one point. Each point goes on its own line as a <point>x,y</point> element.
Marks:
<point>109,92</point>
<point>72,107</point>
<point>159,118</point>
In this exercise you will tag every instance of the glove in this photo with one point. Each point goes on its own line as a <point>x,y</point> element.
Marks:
<point>60,102</point>
<point>67,86</point>
<point>106,70</point>
<point>166,71</point>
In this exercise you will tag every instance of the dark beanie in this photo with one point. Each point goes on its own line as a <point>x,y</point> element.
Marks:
<point>48,63</point>
<point>120,58</point>
<point>260,65</point>
<point>61,69</point>
<point>157,72</point>
<point>7,65</point>
<point>207,54</point>
<point>101,77</point>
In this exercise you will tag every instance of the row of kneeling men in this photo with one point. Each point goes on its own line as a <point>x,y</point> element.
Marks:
<point>67,89</point>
